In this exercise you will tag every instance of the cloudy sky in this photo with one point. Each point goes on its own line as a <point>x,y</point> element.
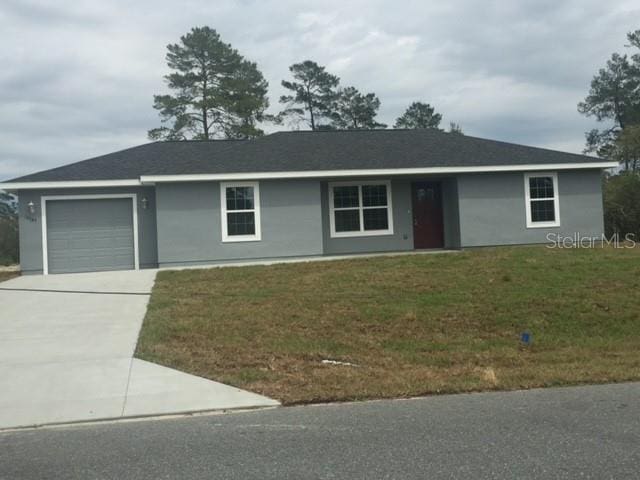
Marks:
<point>77,77</point>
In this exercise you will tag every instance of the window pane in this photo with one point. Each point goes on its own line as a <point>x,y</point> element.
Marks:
<point>374,195</point>
<point>541,187</point>
<point>347,220</point>
<point>239,198</point>
<point>543,211</point>
<point>243,223</point>
<point>345,197</point>
<point>376,219</point>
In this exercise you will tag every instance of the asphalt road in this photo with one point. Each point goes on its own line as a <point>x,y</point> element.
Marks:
<point>584,432</point>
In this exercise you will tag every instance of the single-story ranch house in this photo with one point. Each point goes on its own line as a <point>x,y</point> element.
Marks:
<point>295,194</point>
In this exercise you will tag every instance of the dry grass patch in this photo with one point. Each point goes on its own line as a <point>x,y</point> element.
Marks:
<point>412,325</point>
<point>6,275</point>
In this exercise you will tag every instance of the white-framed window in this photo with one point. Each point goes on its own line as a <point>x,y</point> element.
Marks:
<point>360,208</point>
<point>542,204</point>
<point>240,209</point>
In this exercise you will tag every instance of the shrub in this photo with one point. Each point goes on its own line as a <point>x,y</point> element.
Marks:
<point>622,204</point>
<point>9,240</point>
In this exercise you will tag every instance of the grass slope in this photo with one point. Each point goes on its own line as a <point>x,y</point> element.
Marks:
<point>414,324</point>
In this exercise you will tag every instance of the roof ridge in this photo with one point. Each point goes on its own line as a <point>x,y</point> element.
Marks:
<point>202,140</point>
<point>359,130</point>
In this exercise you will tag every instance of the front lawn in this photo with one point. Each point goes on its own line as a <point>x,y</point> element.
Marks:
<point>412,325</point>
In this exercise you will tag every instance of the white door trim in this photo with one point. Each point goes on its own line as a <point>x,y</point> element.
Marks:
<point>134,208</point>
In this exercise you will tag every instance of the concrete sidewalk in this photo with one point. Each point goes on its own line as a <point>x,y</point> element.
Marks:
<point>66,354</point>
<point>307,259</point>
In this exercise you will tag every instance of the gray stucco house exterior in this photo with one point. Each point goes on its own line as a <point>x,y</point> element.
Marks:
<point>298,194</point>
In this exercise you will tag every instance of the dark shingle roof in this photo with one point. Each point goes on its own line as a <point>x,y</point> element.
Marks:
<point>306,151</point>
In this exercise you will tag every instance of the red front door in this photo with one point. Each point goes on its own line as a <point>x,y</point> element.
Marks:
<point>428,226</point>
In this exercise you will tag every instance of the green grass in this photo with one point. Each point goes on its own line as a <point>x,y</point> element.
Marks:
<point>413,325</point>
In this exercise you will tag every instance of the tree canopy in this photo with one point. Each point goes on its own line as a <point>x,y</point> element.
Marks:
<point>614,97</point>
<point>419,115</point>
<point>455,128</point>
<point>8,204</point>
<point>313,92</point>
<point>354,110</point>
<point>218,93</point>
<point>626,148</point>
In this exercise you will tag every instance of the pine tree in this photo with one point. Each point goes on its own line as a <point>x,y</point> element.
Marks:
<point>217,92</point>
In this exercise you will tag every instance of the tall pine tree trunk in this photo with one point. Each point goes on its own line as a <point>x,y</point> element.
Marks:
<point>310,105</point>
<point>205,120</point>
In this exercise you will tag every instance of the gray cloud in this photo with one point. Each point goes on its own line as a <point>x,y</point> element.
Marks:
<point>78,77</point>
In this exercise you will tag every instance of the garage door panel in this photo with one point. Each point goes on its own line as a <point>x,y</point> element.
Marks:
<point>85,234</point>
<point>90,235</point>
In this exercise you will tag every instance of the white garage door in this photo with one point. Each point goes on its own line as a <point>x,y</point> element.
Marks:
<point>87,235</point>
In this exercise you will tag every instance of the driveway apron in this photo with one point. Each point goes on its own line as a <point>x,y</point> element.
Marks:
<point>66,354</point>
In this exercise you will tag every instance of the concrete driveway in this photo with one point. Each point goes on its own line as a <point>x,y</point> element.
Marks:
<point>66,354</point>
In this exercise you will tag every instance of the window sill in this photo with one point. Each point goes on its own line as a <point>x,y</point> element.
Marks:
<point>241,239</point>
<point>371,233</point>
<point>543,225</point>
